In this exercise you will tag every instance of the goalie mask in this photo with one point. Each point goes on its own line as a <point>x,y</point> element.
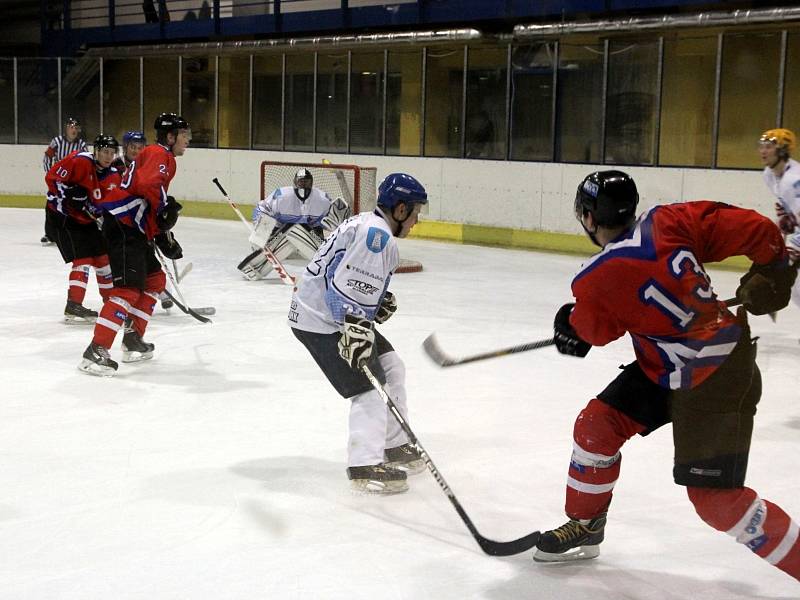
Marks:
<point>303,182</point>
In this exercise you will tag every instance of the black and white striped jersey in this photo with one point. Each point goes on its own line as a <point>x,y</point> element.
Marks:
<point>59,148</point>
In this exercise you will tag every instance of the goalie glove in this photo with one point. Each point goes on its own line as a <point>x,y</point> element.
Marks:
<point>168,245</point>
<point>387,308</point>
<point>767,288</point>
<point>357,341</point>
<point>566,338</point>
<point>787,222</point>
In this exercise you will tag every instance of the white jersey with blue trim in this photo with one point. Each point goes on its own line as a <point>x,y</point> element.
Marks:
<point>284,206</point>
<point>349,274</point>
<point>786,187</point>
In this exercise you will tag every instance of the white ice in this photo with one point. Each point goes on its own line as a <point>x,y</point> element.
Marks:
<point>217,471</point>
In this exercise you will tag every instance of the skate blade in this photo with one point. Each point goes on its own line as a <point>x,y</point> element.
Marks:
<point>131,356</point>
<point>72,319</point>
<point>92,368</point>
<point>414,467</point>
<point>575,554</point>
<point>373,487</point>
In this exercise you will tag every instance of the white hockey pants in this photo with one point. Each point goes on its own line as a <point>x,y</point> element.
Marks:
<point>372,427</point>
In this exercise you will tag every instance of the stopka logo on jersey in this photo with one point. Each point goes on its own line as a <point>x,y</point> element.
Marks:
<point>376,239</point>
<point>362,286</point>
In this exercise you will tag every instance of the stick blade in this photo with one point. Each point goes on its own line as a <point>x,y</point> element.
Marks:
<point>435,352</point>
<point>493,548</point>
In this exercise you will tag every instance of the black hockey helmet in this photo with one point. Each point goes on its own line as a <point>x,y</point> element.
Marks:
<point>105,141</point>
<point>72,122</point>
<point>166,122</point>
<point>610,196</point>
<point>303,182</point>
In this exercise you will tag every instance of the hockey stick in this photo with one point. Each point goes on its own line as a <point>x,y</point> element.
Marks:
<point>437,355</point>
<point>179,276</point>
<point>197,313</point>
<point>490,547</point>
<point>183,305</point>
<point>441,358</point>
<point>276,264</point>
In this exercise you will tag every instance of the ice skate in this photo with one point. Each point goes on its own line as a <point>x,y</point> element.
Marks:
<point>134,348</point>
<point>97,361</point>
<point>78,313</point>
<point>377,479</point>
<point>405,458</point>
<point>574,540</point>
<point>46,241</point>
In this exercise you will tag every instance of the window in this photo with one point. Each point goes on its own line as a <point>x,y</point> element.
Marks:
<point>748,97</point>
<point>300,102</point>
<point>403,102</point>
<point>267,101</point>
<point>80,97</point>
<point>197,99</point>
<point>631,102</point>
<point>6,101</point>
<point>160,91</point>
<point>486,103</point>
<point>332,102</point>
<point>234,102</point>
<point>791,93</point>
<point>687,103</point>
<point>580,95</point>
<point>120,96</point>
<point>532,101</point>
<point>443,101</point>
<point>366,103</point>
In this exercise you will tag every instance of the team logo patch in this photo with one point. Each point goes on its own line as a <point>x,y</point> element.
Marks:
<point>756,543</point>
<point>591,188</point>
<point>376,239</point>
<point>120,315</point>
<point>362,286</point>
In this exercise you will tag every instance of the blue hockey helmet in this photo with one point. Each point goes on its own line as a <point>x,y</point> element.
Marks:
<point>133,136</point>
<point>400,188</point>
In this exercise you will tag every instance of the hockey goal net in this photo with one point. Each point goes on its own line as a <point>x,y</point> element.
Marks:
<point>356,185</point>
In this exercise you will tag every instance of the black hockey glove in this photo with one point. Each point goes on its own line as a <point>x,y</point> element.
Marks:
<point>357,341</point>
<point>387,308</point>
<point>168,245</point>
<point>76,193</point>
<point>567,340</point>
<point>169,216</point>
<point>766,288</point>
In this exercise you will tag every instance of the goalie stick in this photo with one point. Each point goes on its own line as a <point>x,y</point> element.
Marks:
<point>182,304</point>
<point>441,358</point>
<point>490,547</point>
<point>276,264</point>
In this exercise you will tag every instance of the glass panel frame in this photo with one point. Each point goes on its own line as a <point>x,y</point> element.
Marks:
<point>532,101</point>
<point>332,102</point>
<point>234,102</point>
<point>444,101</point>
<point>299,112</point>
<point>7,125</point>
<point>198,98</point>
<point>161,90</point>
<point>367,82</point>
<point>268,102</point>
<point>404,93</point>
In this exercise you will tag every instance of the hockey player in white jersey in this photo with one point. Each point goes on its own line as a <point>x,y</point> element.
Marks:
<point>341,295</point>
<point>782,176</point>
<point>290,222</point>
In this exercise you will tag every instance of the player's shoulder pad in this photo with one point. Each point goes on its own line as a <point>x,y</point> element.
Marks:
<point>377,239</point>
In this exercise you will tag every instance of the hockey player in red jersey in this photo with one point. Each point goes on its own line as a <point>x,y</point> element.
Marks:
<point>695,361</point>
<point>73,185</point>
<point>139,214</point>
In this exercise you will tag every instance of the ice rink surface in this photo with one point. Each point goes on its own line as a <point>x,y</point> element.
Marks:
<point>217,470</point>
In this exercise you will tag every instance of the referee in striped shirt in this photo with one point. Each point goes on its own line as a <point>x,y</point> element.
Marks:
<point>59,147</point>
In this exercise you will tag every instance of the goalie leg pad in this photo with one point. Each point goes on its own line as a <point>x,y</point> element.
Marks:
<point>261,231</point>
<point>280,246</point>
<point>255,266</point>
<point>304,241</point>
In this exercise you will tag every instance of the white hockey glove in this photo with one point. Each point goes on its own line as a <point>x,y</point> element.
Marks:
<point>387,308</point>
<point>357,341</point>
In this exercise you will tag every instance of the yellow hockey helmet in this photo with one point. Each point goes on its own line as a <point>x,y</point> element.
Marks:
<point>782,138</point>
